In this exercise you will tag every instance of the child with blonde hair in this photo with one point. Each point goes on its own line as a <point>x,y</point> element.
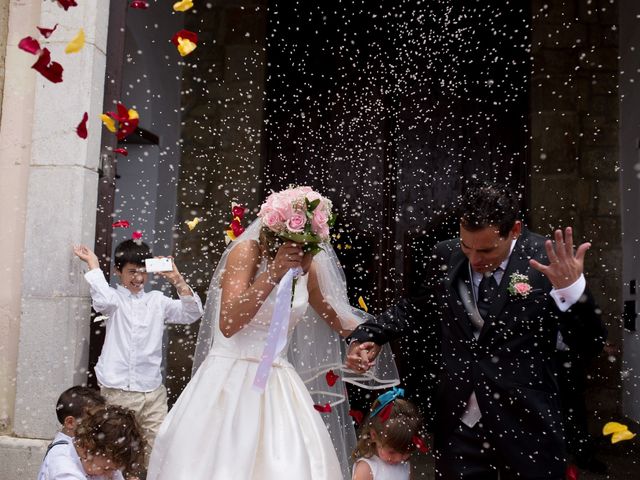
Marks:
<point>387,439</point>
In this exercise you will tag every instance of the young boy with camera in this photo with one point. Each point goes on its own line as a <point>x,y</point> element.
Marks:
<point>129,367</point>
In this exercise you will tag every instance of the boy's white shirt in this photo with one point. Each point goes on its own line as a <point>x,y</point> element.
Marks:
<point>63,463</point>
<point>131,356</point>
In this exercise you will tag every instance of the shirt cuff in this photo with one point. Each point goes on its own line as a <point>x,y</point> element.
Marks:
<point>94,276</point>
<point>566,297</point>
<point>187,298</point>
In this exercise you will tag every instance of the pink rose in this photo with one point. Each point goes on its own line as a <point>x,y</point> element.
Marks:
<point>522,288</point>
<point>311,196</point>
<point>271,220</point>
<point>323,232</point>
<point>282,206</point>
<point>319,222</point>
<point>296,222</point>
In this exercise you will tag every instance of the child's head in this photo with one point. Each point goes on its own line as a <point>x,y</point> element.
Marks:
<point>390,430</point>
<point>72,405</point>
<point>109,438</point>
<point>129,260</point>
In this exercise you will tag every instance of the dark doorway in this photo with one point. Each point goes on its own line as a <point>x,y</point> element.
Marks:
<point>388,107</point>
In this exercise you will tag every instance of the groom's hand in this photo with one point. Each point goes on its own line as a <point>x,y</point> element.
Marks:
<point>361,356</point>
<point>565,266</point>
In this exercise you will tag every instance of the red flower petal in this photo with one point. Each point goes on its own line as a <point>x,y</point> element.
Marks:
<point>385,412</point>
<point>127,128</point>
<point>331,378</point>
<point>238,211</point>
<point>46,32</point>
<point>191,36</point>
<point>29,45</point>
<point>137,235</point>
<point>121,151</point>
<point>81,129</point>
<point>326,408</point>
<point>52,71</point>
<point>572,472</point>
<point>67,3</point>
<point>357,415</point>
<point>123,113</point>
<point>124,224</point>
<point>236,228</point>
<point>419,442</point>
<point>139,4</point>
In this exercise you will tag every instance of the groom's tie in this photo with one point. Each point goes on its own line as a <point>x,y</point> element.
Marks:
<point>487,291</point>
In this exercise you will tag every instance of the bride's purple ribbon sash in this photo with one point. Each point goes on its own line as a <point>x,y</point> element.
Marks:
<point>278,329</point>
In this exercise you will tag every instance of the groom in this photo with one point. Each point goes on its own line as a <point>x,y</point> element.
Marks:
<point>497,296</point>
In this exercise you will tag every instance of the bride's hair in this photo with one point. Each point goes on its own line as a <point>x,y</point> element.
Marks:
<point>397,432</point>
<point>269,242</point>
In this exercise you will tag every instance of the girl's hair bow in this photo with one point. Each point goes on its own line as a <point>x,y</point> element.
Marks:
<point>386,398</point>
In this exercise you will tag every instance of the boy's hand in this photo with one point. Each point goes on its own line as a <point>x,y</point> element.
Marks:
<point>176,279</point>
<point>86,255</point>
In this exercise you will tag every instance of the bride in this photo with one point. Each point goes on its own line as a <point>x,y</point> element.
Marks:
<point>246,415</point>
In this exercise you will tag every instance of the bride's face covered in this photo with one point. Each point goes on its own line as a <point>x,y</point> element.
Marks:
<point>269,243</point>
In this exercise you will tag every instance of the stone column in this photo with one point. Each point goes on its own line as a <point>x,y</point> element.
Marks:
<point>58,201</point>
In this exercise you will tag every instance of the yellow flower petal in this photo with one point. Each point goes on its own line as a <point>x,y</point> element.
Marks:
<point>108,122</point>
<point>623,435</point>
<point>613,427</point>
<point>230,234</point>
<point>183,5</point>
<point>185,46</point>
<point>362,304</point>
<point>133,114</point>
<point>192,223</point>
<point>76,44</point>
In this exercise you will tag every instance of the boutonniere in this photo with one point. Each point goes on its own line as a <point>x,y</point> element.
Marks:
<point>519,285</point>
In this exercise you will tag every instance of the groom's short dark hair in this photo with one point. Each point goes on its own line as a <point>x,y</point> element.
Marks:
<point>485,204</point>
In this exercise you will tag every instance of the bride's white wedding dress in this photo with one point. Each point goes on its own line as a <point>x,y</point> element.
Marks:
<point>222,429</point>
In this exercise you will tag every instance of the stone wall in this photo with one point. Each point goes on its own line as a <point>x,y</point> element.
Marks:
<point>222,101</point>
<point>574,152</point>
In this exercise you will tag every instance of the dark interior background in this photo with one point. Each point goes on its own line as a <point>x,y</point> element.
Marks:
<point>386,107</point>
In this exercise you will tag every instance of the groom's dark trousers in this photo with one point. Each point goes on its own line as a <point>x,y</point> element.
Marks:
<point>507,363</point>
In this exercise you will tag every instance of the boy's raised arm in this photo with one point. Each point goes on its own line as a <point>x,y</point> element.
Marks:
<point>86,255</point>
<point>189,308</point>
<point>103,297</point>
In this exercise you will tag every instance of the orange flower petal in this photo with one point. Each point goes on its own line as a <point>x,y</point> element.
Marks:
<point>362,304</point>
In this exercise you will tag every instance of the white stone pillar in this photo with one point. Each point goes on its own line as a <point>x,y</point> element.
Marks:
<point>58,204</point>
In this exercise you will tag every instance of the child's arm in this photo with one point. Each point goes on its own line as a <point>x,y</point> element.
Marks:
<point>103,297</point>
<point>186,310</point>
<point>86,255</point>
<point>362,471</point>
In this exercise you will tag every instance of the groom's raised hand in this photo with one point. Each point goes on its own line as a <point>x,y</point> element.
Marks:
<point>565,266</point>
<point>361,356</point>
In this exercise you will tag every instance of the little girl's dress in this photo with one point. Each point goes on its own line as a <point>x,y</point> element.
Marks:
<point>382,470</point>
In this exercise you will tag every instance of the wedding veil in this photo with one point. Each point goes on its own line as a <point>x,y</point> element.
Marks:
<point>314,348</point>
